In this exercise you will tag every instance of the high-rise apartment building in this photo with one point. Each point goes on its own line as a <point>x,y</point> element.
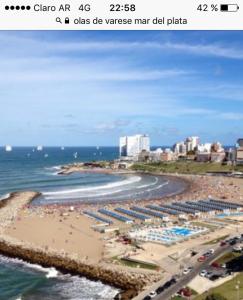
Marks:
<point>133,145</point>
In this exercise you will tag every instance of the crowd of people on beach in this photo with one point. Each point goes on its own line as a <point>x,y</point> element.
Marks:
<point>199,187</point>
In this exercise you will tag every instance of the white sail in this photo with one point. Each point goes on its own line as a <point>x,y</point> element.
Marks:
<point>8,148</point>
<point>39,148</point>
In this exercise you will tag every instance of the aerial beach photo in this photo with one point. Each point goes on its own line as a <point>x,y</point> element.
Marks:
<point>121,165</point>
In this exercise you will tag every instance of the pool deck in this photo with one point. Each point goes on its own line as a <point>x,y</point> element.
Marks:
<point>167,235</point>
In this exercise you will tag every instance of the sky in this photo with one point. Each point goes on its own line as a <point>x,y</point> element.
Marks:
<point>88,88</point>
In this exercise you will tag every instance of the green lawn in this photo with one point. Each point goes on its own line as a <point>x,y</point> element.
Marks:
<point>228,289</point>
<point>185,167</point>
<point>207,225</point>
<point>134,264</point>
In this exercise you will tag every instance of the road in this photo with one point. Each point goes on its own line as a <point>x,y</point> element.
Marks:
<point>185,279</point>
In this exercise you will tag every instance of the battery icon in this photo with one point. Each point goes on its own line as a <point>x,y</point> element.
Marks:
<point>229,7</point>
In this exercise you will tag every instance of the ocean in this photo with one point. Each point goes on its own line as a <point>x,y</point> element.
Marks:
<point>25,169</point>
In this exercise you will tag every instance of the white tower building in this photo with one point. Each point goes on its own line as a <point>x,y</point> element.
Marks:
<point>133,145</point>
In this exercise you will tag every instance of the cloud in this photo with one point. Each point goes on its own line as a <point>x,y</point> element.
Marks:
<point>111,125</point>
<point>231,116</point>
<point>29,42</point>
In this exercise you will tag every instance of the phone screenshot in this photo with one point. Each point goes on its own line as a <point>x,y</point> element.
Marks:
<point>121,150</point>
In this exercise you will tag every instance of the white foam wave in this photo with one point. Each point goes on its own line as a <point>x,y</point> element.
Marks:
<point>131,193</point>
<point>142,192</point>
<point>130,180</point>
<point>53,168</point>
<point>50,272</point>
<point>110,192</point>
<point>146,185</point>
<point>84,196</point>
<point>56,168</point>
<point>6,196</point>
<point>80,288</point>
<point>158,187</point>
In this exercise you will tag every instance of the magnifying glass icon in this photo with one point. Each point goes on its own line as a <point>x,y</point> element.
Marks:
<point>58,20</point>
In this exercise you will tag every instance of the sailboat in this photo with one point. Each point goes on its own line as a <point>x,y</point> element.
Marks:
<point>8,148</point>
<point>39,148</point>
<point>75,155</point>
<point>62,148</point>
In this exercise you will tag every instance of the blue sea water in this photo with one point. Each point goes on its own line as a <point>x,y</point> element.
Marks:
<point>23,169</point>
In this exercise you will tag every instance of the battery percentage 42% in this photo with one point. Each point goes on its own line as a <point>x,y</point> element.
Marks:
<point>207,7</point>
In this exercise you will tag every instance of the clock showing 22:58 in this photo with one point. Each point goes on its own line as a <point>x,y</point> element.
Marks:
<point>122,7</point>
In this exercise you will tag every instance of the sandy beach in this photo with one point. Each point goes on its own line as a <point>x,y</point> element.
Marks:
<point>56,227</point>
<point>72,233</point>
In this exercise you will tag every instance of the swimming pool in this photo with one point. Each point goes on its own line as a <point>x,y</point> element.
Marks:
<point>182,231</point>
<point>166,235</point>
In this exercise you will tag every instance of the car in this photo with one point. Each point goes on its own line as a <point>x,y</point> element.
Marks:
<point>173,280</point>
<point>232,242</point>
<point>215,265</point>
<point>160,290</point>
<point>223,266</point>
<point>187,270</point>
<point>185,292</point>
<point>203,273</point>
<point>214,277</point>
<point>237,248</point>
<point>223,243</point>
<point>167,284</point>
<point>152,294</point>
<point>207,254</point>
<point>211,251</point>
<point>201,258</point>
<point>209,274</point>
<point>147,298</point>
